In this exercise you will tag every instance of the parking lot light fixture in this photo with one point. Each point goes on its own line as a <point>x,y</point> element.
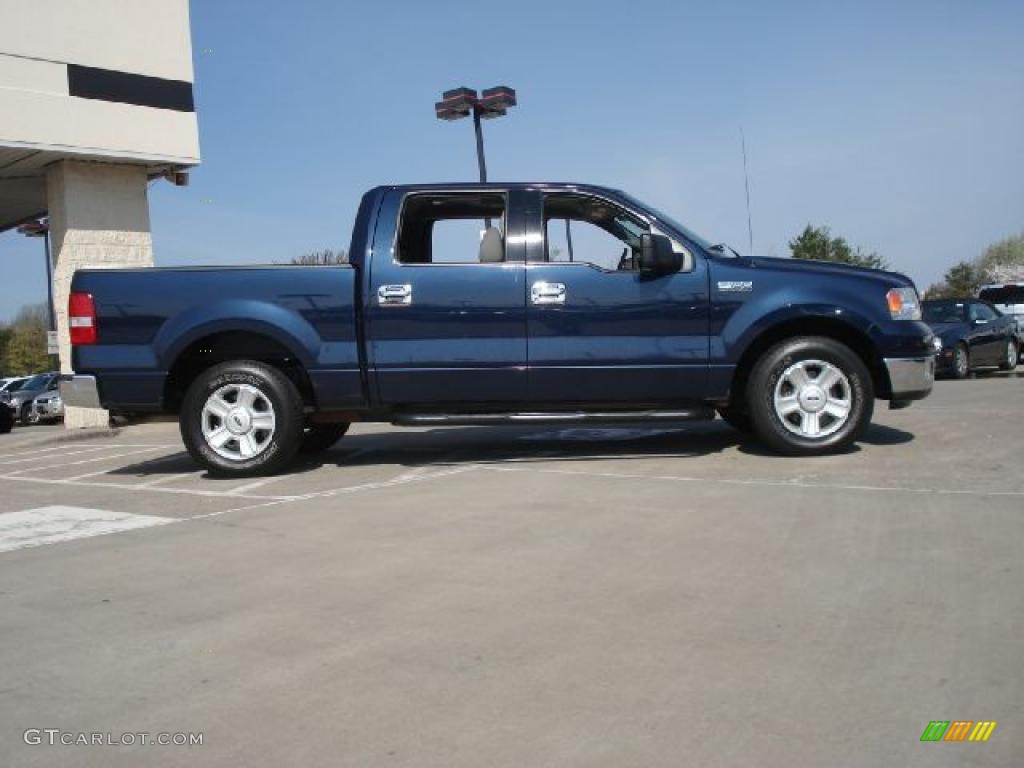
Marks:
<point>463,102</point>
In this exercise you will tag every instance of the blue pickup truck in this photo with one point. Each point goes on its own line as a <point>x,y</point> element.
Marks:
<point>499,304</point>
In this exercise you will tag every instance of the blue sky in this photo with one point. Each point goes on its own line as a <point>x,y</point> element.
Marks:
<point>900,125</point>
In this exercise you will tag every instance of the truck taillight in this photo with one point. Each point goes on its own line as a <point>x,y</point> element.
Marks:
<point>82,319</point>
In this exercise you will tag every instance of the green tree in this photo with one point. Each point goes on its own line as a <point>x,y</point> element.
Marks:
<point>26,346</point>
<point>817,243</point>
<point>960,281</point>
<point>1003,260</point>
<point>322,258</point>
<point>5,335</point>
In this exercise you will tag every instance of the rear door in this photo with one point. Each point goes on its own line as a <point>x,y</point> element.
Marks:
<point>446,305</point>
<point>599,330</point>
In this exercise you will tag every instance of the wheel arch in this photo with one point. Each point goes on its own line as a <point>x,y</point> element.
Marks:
<point>810,325</point>
<point>220,346</point>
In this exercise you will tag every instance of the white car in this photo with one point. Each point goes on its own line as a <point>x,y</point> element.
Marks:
<point>47,407</point>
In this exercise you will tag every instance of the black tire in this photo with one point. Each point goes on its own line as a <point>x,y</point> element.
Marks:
<point>6,419</point>
<point>837,434</point>
<point>1010,359</point>
<point>320,437</point>
<point>25,414</point>
<point>273,387</point>
<point>737,419</point>
<point>961,361</point>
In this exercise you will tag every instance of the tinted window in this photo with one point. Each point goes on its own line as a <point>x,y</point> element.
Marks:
<point>944,311</point>
<point>585,229</point>
<point>984,312</point>
<point>36,382</point>
<point>452,228</point>
<point>1006,294</point>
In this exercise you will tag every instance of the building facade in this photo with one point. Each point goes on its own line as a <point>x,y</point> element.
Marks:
<point>96,100</point>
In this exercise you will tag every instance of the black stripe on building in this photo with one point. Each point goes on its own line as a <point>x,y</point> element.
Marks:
<point>128,88</point>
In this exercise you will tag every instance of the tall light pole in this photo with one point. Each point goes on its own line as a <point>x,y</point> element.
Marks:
<point>42,229</point>
<point>463,102</point>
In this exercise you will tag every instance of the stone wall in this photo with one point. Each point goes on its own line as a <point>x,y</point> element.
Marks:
<point>99,218</point>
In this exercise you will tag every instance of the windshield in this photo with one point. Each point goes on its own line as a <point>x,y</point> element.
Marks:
<point>36,382</point>
<point>669,222</point>
<point>1003,294</point>
<point>944,311</point>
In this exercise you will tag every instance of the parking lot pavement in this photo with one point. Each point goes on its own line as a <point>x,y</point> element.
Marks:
<point>528,596</point>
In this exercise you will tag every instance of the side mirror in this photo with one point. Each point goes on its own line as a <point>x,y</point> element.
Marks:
<point>657,256</point>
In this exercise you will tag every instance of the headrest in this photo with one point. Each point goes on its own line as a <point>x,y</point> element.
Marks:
<point>492,248</point>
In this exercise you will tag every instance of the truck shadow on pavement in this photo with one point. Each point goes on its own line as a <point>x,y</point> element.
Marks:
<point>489,445</point>
<point>543,444</point>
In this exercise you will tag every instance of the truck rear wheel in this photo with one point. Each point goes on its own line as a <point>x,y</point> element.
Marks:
<point>810,395</point>
<point>242,418</point>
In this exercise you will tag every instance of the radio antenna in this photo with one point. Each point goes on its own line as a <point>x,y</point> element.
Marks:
<point>746,185</point>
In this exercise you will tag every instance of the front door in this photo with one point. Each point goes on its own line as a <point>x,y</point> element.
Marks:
<point>446,314</point>
<point>986,334</point>
<point>599,330</point>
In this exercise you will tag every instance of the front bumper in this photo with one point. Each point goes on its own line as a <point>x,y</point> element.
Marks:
<point>79,391</point>
<point>910,378</point>
<point>50,409</point>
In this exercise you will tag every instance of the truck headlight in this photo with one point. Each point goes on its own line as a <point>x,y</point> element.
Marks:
<point>903,304</point>
<point>937,345</point>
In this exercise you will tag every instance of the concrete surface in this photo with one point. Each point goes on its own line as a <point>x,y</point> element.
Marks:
<point>525,597</point>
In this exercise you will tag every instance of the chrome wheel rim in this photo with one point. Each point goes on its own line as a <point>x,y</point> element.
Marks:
<point>1011,352</point>
<point>813,399</point>
<point>961,360</point>
<point>238,422</point>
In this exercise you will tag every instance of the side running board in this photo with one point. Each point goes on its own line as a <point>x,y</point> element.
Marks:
<point>559,417</point>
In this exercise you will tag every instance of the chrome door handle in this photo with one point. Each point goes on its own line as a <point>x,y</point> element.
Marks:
<point>394,295</point>
<point>547,293</point>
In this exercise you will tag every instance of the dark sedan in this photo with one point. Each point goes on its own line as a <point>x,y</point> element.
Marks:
<point>974,334</point>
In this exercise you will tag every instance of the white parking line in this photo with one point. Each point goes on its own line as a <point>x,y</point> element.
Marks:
<point>66,446</point>
<point>139,488</point>
<point>170,478</point>
<point>416,475</point>
<point>795,483</point>
<point>63,464</point>
<point>32,459</point>
<point>51,525</point>
<point>147,462</point>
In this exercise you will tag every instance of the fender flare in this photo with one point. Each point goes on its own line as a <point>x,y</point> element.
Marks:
<point>284,326</point>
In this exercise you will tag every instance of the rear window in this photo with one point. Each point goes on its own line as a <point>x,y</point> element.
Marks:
<point>1005,294</point>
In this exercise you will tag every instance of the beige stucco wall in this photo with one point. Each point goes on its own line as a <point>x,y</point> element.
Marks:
<point>99,217</point>
<point>40,38</point>
<point>149,37</point>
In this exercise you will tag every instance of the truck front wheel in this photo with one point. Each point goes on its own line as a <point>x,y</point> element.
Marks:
<point>810,395</point>
<point>242,418</point>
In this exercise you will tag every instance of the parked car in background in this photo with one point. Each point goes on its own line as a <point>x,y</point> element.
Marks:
<point>1008,298</point>
<point>47,408</point>
<point>974,334</point>
<point>21,398</point>
<point>9,386</point>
